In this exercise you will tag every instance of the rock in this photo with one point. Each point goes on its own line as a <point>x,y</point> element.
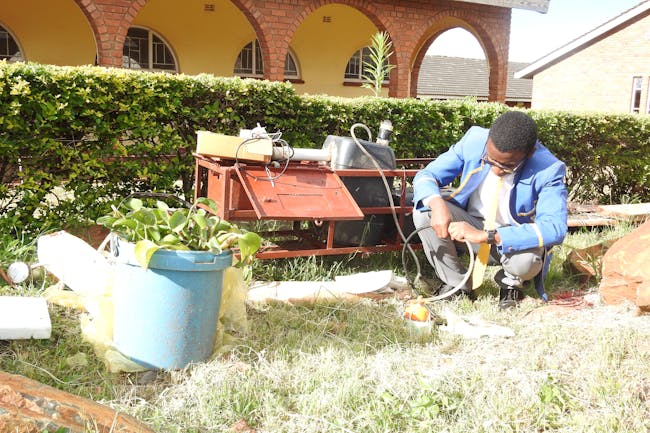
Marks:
<point>643,296</point>
<point>626,275</point>
<point>588,261</point>
<point>28,406</point>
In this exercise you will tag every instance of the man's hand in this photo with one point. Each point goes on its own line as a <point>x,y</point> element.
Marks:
<point>463,231</point>
<point>440,217</point>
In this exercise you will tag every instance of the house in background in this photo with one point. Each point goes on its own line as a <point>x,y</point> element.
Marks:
<point>444,77</point>
<point>317,45</point>
<point>606,69</point>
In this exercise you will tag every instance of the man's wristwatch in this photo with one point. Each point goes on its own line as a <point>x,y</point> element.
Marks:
<point>491,237</point>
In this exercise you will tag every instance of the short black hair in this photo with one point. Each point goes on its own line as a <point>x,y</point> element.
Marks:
<point>514,131</point>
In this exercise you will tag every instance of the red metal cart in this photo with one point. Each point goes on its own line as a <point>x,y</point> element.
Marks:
<point>315,211</point>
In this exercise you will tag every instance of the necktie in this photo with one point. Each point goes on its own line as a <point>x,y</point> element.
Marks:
<point>489,224</point>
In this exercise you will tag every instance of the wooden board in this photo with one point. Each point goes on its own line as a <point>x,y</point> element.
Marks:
<point>589,220</point>
<point>229,147</point>
<point>606,215</point>
<point>627,211</point>
<point>30,406</point>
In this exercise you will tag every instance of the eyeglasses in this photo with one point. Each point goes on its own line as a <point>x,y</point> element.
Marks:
<point>507,169</point>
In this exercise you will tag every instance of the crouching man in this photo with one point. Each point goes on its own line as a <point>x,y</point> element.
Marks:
<point>510,203</point>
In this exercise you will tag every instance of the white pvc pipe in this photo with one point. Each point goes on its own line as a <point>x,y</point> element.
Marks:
<point>297,154</point>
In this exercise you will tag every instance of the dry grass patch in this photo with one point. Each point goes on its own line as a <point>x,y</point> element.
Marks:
<point>342,367</point>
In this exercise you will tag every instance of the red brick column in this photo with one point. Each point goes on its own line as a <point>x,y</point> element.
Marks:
<point>490,25</point>
<point>110,20</point>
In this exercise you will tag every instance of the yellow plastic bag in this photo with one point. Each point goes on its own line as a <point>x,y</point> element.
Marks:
<point>232,311</point>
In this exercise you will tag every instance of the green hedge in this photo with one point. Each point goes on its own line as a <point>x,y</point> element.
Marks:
<point>73,140</point>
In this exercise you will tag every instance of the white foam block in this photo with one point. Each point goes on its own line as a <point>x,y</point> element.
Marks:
<point>365,282</point>
<point>24,318</point>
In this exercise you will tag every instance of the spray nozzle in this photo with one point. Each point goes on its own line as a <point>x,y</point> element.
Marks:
<point>385,132</point>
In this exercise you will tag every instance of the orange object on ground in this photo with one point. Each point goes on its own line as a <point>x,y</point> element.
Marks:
<point>417,312</point>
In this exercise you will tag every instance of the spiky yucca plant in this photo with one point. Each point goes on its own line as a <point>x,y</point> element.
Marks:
<point>377,68</point>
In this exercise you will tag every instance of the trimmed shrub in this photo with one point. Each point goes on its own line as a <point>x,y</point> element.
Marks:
<point>75,139</point>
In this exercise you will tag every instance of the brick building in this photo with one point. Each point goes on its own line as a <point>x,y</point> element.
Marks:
<point>606,69</point>
<point>318,45</point>
<point>444,77</point>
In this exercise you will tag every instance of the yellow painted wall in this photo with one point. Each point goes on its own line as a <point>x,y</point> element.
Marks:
<point>210,41</point>
<point>324,48</point>
<point>53,31</point>
<point>201,41</point>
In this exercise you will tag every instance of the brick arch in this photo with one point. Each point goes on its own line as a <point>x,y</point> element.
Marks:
<point>496,58</point>
<point>110,21</point>
<point>276,26</point>
<point>256,18</point>
<point>370,11</point>
<point>373,13</point>
<point>366,8</point>
<point>252,13</point>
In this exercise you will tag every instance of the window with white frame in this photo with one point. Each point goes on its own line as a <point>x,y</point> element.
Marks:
<point>647,102</point>
<point>249,63</point>
<point>143,49</point>
<point>637,85</point>
<point>357,66</point>
<point>291,69</point>
<point>9,49</point>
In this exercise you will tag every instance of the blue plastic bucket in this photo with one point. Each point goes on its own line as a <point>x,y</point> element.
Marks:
<point>165,317</point>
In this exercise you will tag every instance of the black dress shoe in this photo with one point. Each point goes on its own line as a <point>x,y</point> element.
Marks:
<point>509,296</point>
<point>446,288</point>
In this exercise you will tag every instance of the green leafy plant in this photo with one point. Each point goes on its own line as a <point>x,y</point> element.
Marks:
<point>193,228</point>
<point>377,68</point>
<point>555,401</point>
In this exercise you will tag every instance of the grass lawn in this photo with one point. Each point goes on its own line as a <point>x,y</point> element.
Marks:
<point>356,367</point>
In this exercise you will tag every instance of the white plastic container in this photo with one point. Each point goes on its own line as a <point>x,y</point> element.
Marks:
<point>79,266</point>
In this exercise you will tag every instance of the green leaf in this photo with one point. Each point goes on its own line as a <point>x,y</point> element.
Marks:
<point>125,222</point>
<point>134,203</point>
<point>200,221</point>
<point>139,233</point>
<point>214,245</point>
<point>162,205</point>
<point>249,243</point>
<point>145,217</point>
<point>177,221</point>
<point>209,203</point>
<point>154,234</point>
<point>143,251</point>
<point>170,239</point>
<point>162,217</point>
<point>107,221</point>
<point>221,224</point>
